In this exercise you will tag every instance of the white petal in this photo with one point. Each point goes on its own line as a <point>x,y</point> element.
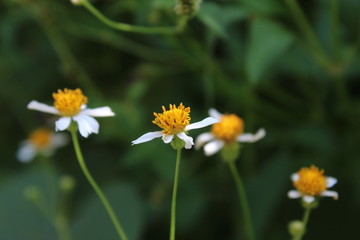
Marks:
<point>86,124</point>
<point>35,105</point>
<point>147,137</point>
<point>213,147</point>
<point>99,112</point>
<point>308,198</point>
<point>295,177</point>
<point>330,181</point>
<point>332,194</point>
<point>167,138</point>
<point>187,139</point>
<point>248,137</point>
<point>59,140</point>
<point>62,124</point>
<point>294,194</point>
<point>214,113</point>
<point>205,122</point>
<point>26,152</point>
<point>202,139</point>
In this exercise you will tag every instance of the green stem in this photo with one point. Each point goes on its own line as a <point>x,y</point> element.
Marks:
<point>71,67</point>
<point>306,29</point>
<point>95,186</point>
<point>243,201</point>
<point>334,27</point>
<point>131,28</point>
<point>305,221</point>
<point>173,203</point>
<point>62,227</point>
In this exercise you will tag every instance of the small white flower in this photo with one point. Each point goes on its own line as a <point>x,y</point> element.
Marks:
<point>71,105</point>
<point>40,141</point>
<point>229,129</point>
<point>174,122</point>
<point>310,183</point>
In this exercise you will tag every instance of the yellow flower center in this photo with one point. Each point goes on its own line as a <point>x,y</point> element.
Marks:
<point>40,138</point>
<point>311,181</point>
<point>174,120</point>
<point>69,102</point>
<point>229,127</point>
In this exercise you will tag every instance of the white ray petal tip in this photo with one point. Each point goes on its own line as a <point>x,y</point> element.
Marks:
<point>330,181</point>
<point>294,194</point>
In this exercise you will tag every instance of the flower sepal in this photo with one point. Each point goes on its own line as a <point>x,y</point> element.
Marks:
<point>230,151</point>
<point>310,205</point>
<point>73,127</point>
<point>177,143</point>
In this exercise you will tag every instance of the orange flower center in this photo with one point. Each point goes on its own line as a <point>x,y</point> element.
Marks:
<point>229,127</point>
<point>40,138</point>
<point>69,102</point>
<point>311,181</point>
<point>174,120</point>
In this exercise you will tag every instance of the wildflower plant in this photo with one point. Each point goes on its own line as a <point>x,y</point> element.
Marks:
<point>71,106</point>
<point>226,136</point>
<point>175,123</point>
<point>310,184</point>
<point>41,141</point>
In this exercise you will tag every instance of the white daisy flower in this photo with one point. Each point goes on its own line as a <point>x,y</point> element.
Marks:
<point>311,183</point>
<point>174,122</point>
<point>229,129</point>
<point>71,105</point>
<point>40,141</point>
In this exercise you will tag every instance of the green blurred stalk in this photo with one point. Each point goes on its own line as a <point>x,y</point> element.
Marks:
<point>97,189</point>
<point>243,201</point>
<point>174,196</point>
<point>334,27</point>
<point>68,60</point>
<point>305,222</point>
<point>131,28</point>
<point>310,36</point>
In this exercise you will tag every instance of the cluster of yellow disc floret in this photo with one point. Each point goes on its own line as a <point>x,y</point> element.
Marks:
<point>311,181</point>
<point>229,128</point>
<point>40,138</point>
<point>69,102</point>
<point>174,120</point>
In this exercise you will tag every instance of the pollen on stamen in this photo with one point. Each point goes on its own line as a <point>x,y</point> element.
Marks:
<point>69,102</point>
<point>311,181</point>
<point>229,127</point>
<point>174,120</point>
<point>40,138</point>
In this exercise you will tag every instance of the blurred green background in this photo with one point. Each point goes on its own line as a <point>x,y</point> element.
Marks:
<point>255,58</point>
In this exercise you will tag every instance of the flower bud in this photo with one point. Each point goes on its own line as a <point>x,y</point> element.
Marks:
<point>296,228</point>
<point>187,7</point>
<point>67,183</point>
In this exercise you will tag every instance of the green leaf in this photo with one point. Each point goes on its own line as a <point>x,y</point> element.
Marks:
<point>212,15</point>
<point>268,41</point>
<point>93,222</point>
<point>263,6</point>
<point>266,190</point>
<point>20,218</point>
